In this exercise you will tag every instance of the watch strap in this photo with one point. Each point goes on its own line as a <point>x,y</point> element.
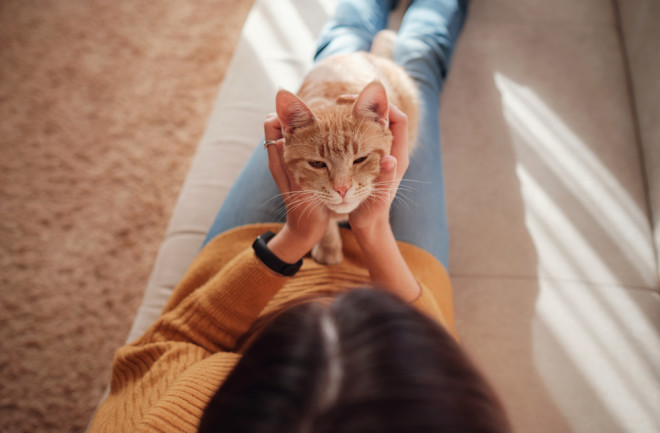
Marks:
<point>269,259</point>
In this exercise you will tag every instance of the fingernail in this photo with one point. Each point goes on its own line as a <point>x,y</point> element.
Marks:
<point>388,162</point>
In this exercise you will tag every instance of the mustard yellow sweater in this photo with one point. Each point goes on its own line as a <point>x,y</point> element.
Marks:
<point>163,381</point>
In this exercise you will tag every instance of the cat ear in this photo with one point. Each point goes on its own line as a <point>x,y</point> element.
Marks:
<point>293,112</point>
<point>372,103</point>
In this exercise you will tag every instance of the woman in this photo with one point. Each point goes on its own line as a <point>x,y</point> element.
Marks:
<point>252,341</point>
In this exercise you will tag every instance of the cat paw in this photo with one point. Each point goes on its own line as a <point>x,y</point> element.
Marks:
<point>327,255</point>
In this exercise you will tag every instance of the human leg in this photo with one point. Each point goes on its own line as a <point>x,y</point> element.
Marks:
<point>253,198</point>
<point>427,38</point>
<point>353,27</point>
<point>424,46</point>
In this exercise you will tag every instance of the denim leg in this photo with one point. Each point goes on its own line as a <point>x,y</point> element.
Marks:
<point>353,27</point>
<point>253,198</point>
<point>424,46</point>
<point>426,40</point>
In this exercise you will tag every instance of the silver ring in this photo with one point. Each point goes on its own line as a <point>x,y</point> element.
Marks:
<point>269,142</point>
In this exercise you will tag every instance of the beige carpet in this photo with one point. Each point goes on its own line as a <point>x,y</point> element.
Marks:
<point>101,107</point>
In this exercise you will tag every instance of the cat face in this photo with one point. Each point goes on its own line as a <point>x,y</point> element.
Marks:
<point>338,158</point>
<point>335,151</point>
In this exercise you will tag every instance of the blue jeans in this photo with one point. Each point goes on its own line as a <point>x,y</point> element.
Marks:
<point>423,47</point>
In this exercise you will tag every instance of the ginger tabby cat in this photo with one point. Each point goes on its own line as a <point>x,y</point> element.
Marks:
<point>333,141</point>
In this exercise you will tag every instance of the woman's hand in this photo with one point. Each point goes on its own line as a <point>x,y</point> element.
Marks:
<point>371,221</point>
<point>375,212</point>
<point>306,219</point>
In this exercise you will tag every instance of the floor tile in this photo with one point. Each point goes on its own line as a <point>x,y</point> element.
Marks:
<point>588,355</point>
<point>566,12</point>
<point>543,174</point>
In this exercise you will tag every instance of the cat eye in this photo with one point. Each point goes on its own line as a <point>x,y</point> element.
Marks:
<point>360,160</point>
<point>317,164</point>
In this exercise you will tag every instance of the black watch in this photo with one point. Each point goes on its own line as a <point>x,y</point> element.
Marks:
<point>271,260</point>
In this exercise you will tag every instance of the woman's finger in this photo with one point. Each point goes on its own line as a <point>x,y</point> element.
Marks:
<point>272,127</point>
<point>273,133</point>
<point>399,128</point>
<point>277,169</point>
<point>388,175</point>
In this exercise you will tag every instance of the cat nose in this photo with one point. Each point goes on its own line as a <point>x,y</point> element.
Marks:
<point>342,190</point>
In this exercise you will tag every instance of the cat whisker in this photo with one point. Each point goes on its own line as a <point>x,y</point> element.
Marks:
<point>406,181</point>
<point>416,181</point>
<point>281,212</point>
<point>386,182</point>
<point>275,197</point>
<point>367,202</point>
<point>308,209</point>
<point>405,200</point>
<point>308,206</point>
<point>292,197</point>
<point>401,186</point>
<point>390,185</point>
<point>400,196</point>
<point>292,202</point>
<point>297,202</point>
<point>385,196</point>
<point>294,206</point>
<point>282,195</point>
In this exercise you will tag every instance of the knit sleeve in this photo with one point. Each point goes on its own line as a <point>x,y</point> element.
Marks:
<point>164,380</point>
<point>214,315</point>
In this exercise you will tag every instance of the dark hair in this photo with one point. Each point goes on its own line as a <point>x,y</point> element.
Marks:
<point>365,362</point>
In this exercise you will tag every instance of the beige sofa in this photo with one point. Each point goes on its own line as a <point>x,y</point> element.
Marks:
<point>550,187</point>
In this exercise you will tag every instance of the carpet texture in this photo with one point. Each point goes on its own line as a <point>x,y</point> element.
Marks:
<point>101,107</point>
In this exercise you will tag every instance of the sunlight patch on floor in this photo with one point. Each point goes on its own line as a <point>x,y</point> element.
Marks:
<point>574,166</point>
<point>618,358</point>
